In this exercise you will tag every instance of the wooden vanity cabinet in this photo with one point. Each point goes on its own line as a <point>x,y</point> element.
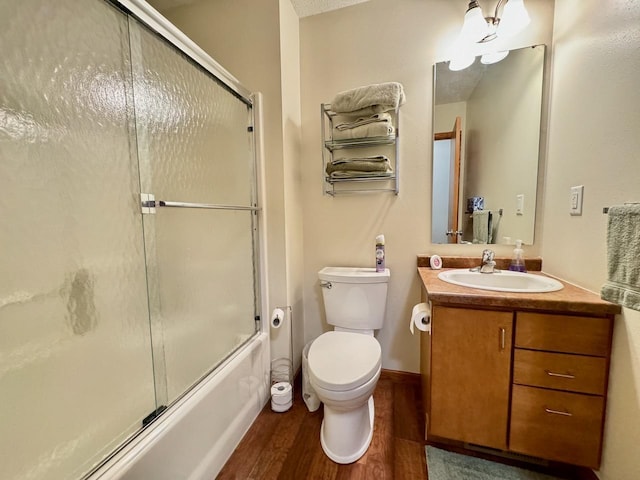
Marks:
<point>561,365</point>
<point>527,382</point>
<point>470,375</point>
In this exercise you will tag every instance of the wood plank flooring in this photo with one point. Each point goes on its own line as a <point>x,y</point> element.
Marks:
<point>286,445</point>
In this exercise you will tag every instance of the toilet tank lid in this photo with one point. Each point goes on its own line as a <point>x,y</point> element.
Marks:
<point>354,275</point>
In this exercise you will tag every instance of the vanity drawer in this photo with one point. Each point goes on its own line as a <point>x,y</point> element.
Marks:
<point>563,333</point>
<point>560,371</point>
<point>556,425</point>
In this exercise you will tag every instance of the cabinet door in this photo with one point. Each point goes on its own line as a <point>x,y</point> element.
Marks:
<point>470,375</point>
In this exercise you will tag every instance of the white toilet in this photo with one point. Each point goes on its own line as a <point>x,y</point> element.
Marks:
<point>344,365</point>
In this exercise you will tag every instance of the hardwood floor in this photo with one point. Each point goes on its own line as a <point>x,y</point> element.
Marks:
<point>287,445</point>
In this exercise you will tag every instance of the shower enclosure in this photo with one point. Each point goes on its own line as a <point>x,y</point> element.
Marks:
<point>129,233</point>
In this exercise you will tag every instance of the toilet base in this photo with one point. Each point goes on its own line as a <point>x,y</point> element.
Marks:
<point>345,436</point>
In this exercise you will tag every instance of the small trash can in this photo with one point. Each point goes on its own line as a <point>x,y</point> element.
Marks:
<point>308,395</point>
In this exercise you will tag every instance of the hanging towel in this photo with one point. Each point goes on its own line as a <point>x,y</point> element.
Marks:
<point>378,129</point>
<point>623,256</point>
<point>370,99</point>
<point>481,220</point>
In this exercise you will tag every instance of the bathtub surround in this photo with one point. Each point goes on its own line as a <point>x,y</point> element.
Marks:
<point>125,306</point>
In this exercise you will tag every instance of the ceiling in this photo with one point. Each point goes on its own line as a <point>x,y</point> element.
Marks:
<point>454,86</point>
<point>304,8</point>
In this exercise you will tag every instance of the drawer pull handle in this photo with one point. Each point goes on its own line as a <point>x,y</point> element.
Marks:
<point>561,375</point>
<point>558,412</point>
<point>502,337</point>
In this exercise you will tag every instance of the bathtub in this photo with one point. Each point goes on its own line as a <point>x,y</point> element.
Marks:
<point>195,437</point>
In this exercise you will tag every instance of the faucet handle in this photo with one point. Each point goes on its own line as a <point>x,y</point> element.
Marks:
<point>487,255</point>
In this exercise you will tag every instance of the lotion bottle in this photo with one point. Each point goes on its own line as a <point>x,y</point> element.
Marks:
<point>380,253</point>
<point>517,262</point>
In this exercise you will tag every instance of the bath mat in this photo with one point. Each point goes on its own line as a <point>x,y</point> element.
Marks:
<point>444,465</point>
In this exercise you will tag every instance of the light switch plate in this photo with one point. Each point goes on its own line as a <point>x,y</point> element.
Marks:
<point>575,205</point>
<point>520,204</point>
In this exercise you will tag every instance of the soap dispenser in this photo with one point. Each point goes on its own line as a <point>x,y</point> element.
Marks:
<point>517,262</point>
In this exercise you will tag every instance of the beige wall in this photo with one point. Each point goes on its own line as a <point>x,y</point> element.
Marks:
<point>594,141</point>
<point>291,128</point>
<point>374,42</point>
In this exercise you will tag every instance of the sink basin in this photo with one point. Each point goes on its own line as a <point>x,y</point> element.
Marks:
<point>502,281</point>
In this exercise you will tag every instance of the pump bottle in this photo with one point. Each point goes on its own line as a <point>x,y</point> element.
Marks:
<point>517,262</point>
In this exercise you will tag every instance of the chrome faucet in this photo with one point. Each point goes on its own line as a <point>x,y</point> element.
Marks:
<point>488,264</point>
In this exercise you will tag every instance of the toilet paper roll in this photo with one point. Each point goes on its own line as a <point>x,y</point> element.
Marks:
<point>281,389</point>
<point>421,318</point>
<point>281,396</point>
<point>281,408</point>
<point>281,399</point>
<point>277,318</point>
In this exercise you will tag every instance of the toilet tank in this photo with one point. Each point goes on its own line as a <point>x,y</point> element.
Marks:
<point>354,298</point>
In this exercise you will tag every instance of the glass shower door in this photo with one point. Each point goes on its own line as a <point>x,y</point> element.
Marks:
<point>196,159</point>
<point>75,350</point>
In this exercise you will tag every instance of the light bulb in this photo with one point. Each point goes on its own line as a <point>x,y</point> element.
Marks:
<point>514,18</point>
<point>461,61</point>
<point>474,27</point>
<point>493,57</point>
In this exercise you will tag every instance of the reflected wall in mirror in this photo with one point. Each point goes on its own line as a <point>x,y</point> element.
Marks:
<point>485,149</point>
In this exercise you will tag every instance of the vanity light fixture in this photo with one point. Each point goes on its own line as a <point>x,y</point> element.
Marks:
<point>478,29</point>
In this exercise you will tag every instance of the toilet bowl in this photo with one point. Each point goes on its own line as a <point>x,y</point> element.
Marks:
<point>344,368</point>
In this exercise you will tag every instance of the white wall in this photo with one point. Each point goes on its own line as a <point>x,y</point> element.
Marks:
<point>594,141</point>
<point>374,42</point>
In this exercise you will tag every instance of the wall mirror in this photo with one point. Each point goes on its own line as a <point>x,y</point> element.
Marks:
<point>485,149</point>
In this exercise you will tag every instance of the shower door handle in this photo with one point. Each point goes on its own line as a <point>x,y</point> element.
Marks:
<point>149,205</point>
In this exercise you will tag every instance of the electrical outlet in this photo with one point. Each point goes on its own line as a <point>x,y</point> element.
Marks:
<point>520,204</point>
<point>575,206</point>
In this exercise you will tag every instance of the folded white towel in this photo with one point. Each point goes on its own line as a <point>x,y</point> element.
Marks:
<point>378,129</point>
<point>344,124</point>
<point>370,99</point>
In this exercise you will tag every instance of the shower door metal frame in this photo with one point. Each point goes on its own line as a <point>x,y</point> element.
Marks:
<point>150,18</point>
<point>156,22</point>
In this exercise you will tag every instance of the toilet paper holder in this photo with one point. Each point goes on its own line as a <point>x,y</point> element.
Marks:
<point>282,367</point>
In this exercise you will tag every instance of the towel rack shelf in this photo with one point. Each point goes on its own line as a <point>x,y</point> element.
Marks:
<point>387,145</point>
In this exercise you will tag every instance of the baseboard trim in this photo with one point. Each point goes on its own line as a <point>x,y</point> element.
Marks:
<point>400,376</point>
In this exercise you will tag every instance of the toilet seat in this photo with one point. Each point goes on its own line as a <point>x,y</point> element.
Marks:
<point>341,361</point>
